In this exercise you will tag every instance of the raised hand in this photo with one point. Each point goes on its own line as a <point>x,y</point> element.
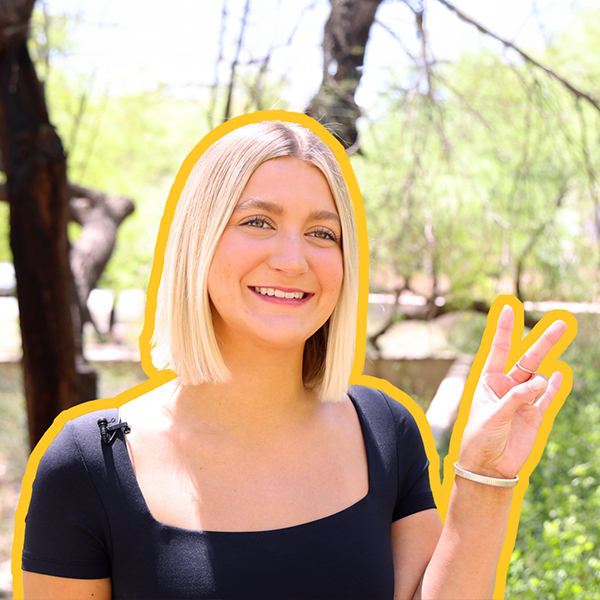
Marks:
<point>508,409</point>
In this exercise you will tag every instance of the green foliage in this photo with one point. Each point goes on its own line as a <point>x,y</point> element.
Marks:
<point>49,39</point>
<point>556,552</point>
<point>5,252</point>
<point>130,144</point>
<point>483,177</point>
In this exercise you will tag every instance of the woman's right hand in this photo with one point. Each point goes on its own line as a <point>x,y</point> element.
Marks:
<point>508,409</point>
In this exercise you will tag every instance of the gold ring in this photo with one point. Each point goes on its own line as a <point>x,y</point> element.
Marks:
<point>524,369</point>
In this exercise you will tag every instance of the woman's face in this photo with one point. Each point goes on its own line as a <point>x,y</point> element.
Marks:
<point>277,272</point>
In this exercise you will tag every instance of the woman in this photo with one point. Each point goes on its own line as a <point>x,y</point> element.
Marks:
<point>254,473</point>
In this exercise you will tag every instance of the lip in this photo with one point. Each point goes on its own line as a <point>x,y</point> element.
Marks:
<point>276,300</point>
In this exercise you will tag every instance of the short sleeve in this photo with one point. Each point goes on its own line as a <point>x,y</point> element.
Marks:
<point>66,530</point>
<point>414,489</point>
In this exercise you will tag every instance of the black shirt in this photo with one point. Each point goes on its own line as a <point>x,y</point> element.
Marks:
<point>88,519</point>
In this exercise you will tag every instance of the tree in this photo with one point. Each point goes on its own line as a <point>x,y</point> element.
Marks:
<point>36,186</point>
<point>344,43</point>
<point>428,239</point>
<point>465,192</point>
<point>50,301</point>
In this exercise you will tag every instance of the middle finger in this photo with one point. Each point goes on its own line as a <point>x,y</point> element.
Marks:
<point>533,357</point>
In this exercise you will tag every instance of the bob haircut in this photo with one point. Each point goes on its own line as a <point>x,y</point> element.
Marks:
<point>184,339</point>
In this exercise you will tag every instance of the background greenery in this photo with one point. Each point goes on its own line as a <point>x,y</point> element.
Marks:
<point>557,550</point>
<point>467,170</point>
<point>475,173</point>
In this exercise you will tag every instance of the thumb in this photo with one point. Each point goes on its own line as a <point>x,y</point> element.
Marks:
<point>525,393</point>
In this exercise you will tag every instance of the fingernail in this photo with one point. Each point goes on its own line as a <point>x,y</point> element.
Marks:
<point>538,383</point>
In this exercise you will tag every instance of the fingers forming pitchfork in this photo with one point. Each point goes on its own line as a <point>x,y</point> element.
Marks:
<point>508,409</point>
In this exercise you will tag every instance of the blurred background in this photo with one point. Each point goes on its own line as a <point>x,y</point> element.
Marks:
<point>474,131</point>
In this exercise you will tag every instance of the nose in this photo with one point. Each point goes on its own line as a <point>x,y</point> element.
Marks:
<point>288,254</point>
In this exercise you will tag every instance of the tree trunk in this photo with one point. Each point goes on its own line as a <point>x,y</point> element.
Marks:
<point>35,166</point>
<point>344,42</point>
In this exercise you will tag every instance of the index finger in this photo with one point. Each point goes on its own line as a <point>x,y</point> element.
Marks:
<point>534,356</point>
<point>498,356</point>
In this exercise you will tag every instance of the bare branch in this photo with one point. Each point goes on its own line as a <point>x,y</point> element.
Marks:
<point>215,85</point>
<point>306,9</point>
<point>397,38</point>
<point>235,61</point>
<point>591,172</point>
<point>422,33</point>
<point>508,44</point>
<point>94,135</point>
<point>255,92</point>
<point>77,118</point>
<point>533,240</point>
<point>45,50</point>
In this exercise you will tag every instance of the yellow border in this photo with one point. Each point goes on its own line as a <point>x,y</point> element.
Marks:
<point>550,364</point>
<point>157,378</point>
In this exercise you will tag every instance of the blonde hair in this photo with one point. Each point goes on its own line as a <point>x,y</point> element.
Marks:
<point>184,339</point>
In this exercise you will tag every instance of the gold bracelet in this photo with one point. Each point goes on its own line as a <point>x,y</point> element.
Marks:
<point>494,481</point>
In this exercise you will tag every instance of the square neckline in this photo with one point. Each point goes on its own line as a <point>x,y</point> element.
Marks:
<point>140,500</point>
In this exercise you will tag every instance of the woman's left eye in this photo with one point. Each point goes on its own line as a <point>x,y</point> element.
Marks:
<point>324,234</point>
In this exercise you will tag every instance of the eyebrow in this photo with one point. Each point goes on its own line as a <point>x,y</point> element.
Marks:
<point>278,209</point>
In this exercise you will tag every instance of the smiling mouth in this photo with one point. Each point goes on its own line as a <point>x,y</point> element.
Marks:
<point>274,292</point>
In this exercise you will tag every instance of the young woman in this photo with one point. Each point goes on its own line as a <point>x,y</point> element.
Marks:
<point>256,472</point>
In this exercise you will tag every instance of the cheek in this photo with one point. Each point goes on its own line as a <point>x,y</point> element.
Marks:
<point>331,273</point>
<point>235,256</point>
<point>219,269</point>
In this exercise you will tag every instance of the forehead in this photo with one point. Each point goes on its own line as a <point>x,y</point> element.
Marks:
<point>288,181</point>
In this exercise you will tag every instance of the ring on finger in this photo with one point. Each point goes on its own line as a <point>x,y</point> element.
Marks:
<point>524,369</point>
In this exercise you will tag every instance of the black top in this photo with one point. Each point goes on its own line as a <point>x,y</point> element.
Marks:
<point>88,519</point>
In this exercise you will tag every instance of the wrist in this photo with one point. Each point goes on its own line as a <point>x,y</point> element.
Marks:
<point>487,470</point>
<point>483,479</point>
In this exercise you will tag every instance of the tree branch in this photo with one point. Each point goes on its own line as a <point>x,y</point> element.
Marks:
<point>398,39</point>
<point>576,91</point>
<point>212,103</point>
<point>590,170</point>
<point>235,61</point>
<point>533,241</point>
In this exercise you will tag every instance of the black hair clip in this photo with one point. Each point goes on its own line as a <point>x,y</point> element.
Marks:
<point>108,432</point>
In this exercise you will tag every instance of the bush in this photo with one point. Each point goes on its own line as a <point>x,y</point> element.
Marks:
<point>556,554</point>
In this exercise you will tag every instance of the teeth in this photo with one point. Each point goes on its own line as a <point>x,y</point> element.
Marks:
<point>279,293</point>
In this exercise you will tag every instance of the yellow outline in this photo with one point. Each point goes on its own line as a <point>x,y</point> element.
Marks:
<point>548,366</point>
<point>156,378</point>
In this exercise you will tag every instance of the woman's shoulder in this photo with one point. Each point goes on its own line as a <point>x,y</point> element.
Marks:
<point>66,519</point>
<point>379,404</point>
<point>391,423</point>
<point>78,445</point>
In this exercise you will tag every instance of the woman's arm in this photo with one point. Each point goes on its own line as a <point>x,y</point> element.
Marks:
<point>46,587</point>
<point>463,566</point>
<point>461,558</point>
<point>414,539</point>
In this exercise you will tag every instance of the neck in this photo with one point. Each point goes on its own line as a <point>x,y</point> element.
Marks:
<point>265,393</point>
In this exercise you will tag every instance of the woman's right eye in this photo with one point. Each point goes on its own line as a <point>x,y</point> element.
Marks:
<point>257,222</point>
